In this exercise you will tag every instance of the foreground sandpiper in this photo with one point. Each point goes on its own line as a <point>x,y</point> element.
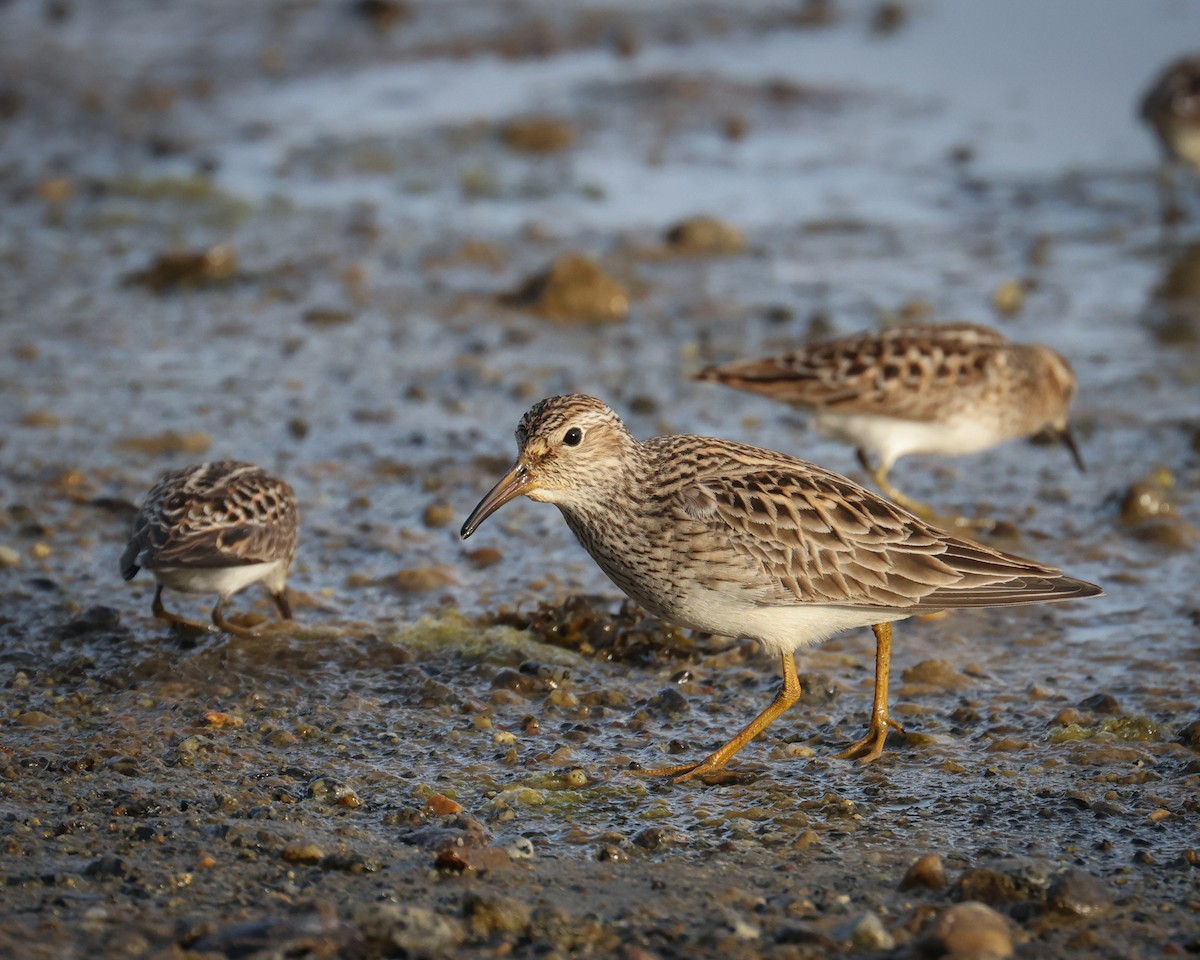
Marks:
<point>733,540</point>
<point>1172,109</point>
<point>215,528</point>
<point>946,389</point>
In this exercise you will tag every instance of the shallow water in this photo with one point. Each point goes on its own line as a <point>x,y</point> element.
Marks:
<point>350,173</point>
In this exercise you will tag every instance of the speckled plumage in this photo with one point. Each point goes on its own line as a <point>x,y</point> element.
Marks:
<point>215,528</point>
<point>734,540</point>
<point>945,389</point>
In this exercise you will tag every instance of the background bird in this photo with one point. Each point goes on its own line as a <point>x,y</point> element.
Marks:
<point>215,528</point>
<point>947,389</point>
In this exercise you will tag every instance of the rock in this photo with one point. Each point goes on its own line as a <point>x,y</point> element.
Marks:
<point>321,317</point>
<point>190,269</point>
<point>302,853</point>
<point>866,933</point>
<point>489,914</point>
<point>1189,736</point>
<point>333,792</point>
<point>410,931</point>
<point>987,885</point>
<point>538,135</point>
<point>934,675</point>
<point>1009,298</point>
<point>109,865</point>
<point>168,442</point>
<point>9,557</point>
<point>1101,703</point>
<point>573,290</point>
<point>668,702</point>
<point>439,514</point>
<point>421,579</point>
<point>34,718</point>
<point>970,931</point>
<point>705,235</point>
<point>927,871</point>
<point>1077,893</point>
<point>443,806</point>
<point>484,557</point>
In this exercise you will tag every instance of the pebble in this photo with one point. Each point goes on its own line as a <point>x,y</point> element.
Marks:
<point>927,871</point>
<point>410,930</point>
<point>488,914</point>
<point>521,849</point>
<point>9,557</point>
<point>971,931</point>
<point>936,674</point>
<point>866,932</point>
<point>573,290</point>
<point>668,702</point>
<point>538,135</point>
<point>706,235</point>
<point>1079,894</point>
<point>302,853</point>
<point>439,514</point>
<point>1189,736</point>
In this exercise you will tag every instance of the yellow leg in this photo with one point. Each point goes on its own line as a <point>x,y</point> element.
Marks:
<point>922,510</point>
<point>788,694</point>
<point>162,613</point>
<point>871,746</point>
<point>218,618</point>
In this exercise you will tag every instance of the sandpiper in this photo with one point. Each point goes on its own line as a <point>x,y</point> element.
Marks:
<point>734,540</point>
<point>1172,108</point>
<point>945,389</point>
<point>215,528</point>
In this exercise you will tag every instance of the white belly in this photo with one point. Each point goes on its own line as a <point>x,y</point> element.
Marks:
<point>225,581</point>
<point>889,439</point>
<point>780,628</point>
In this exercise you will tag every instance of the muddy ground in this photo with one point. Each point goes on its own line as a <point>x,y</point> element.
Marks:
<point>320,236</point>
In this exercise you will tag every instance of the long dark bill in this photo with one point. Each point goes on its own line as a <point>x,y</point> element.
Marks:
<point>511,485</point>
<point>1068,441</point>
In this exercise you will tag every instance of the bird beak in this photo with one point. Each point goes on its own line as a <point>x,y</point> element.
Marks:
<point>1068,441</point>
<point>513,484</point>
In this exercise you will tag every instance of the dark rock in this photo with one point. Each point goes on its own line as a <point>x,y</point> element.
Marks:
<point>1079,894</point>
<point>668,702</point>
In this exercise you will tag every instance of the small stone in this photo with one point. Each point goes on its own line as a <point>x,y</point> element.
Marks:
<point>573,290</point>
<point>866,933</point>
<point>302,853</point>
<point>484,557</point>
<point>1079,894</point>
<point>1009,298</point>
<point>489,914</point>
<point>935,674</point>
<point>538,135</point>
<point>705,235</point>
<point>1104,703</point>
<point>1189,736</point>
<point>9,557</point>
<point>927,871</point>
<point>34,718</point>
<point>438,514</point>
<point>327,317</point>
<point>410,931</point>
<point>333,792</point>
<point>668,702</point>
<point>443,806</point>
<point>521,849</point>
<point>109,865</point>
<point>971,931</point>
<point>421,579</point>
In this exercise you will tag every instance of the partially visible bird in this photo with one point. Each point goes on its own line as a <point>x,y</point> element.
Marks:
<point>946,389</point>
<point>1172,109</point>
<point>215,528</point>
<point>737,541</point>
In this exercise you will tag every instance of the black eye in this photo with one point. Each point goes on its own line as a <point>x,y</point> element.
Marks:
<point>573,437</point>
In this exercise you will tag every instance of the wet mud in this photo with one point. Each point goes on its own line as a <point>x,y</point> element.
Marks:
<point>353,243</point>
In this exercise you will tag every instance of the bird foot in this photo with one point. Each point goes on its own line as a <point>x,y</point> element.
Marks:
<point>870,747</point>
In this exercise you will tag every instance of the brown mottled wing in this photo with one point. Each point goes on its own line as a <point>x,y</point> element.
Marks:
<point>899,373</point>
<point>214,515</point>
<point>814,536</point>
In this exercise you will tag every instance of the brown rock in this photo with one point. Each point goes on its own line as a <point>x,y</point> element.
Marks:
<point>302,853</point>
<point>421,579</point>
<point>538,135</point>
<point>438,514</point>
<point>935,674</point>
<point>168,442</point>
<point>706,235</point>
<point>927,871</point>
<point>971,931</point>
<point>574,290</point>
<point>443,806</point>
<point>484,557</point>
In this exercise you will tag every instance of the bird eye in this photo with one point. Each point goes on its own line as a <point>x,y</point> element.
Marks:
<point>573,437</point>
